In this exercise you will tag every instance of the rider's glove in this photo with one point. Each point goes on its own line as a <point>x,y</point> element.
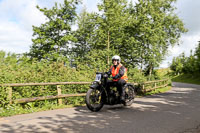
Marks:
<point>108,73</point>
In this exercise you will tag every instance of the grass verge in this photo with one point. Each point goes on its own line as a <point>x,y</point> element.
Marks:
<point>187,78</point>
<point>156,91</point>
<point>12,110</point>
<point>159,90</point>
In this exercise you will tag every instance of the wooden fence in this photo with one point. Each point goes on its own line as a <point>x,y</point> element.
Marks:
<point>146,86</point>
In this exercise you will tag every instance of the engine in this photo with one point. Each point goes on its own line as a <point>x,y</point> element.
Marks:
<point>114,97</point>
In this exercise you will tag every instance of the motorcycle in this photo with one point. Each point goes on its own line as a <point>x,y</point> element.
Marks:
<point>98,95</point>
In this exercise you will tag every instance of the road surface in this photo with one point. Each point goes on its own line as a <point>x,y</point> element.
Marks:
<point>176,111</point>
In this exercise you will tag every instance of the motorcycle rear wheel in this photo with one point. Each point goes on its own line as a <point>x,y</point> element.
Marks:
<point>94,100</point>
<point>130,93</point>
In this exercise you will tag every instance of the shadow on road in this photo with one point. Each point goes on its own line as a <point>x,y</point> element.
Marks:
<point>82,121</point>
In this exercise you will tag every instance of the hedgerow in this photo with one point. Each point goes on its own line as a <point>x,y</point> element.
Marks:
<point>21,69</point>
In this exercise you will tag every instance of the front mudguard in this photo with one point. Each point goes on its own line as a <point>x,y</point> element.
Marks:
<point>97,86</point>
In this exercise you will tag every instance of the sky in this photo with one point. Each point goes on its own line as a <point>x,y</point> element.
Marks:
<point>18,16</point>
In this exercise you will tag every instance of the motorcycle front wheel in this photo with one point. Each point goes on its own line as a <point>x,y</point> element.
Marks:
<point>94,100</point>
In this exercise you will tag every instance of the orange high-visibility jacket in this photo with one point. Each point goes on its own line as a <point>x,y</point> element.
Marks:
<point>116,71</point>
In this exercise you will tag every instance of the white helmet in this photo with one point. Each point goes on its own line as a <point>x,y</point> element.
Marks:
<point>116,57</point>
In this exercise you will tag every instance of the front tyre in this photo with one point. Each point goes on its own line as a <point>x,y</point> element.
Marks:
<point>94,100</point>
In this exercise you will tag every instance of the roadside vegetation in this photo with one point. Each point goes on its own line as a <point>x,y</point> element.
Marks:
<point>187,69</point>
<point>157,91</point>
<point>20,69</point>
<point>187,78</point>
<point>139,33</point>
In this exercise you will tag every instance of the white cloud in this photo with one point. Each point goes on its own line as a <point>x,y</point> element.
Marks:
<point>188,11</point>
<point>189,42</point>
<point>91,5</point>
<point>31,15</point>
<point>13,38</point>
<point>48,3</point>
<point>22,12</point>
<point>16,20</point>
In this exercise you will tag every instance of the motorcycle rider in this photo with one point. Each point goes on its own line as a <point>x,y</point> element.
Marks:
<point>119,75</point>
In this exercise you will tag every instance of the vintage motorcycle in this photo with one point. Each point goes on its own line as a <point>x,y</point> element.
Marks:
<point>97,95</point>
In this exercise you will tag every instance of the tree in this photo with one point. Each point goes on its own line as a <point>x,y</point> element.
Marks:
<point>84,35</point>
<point>141,34</point>
<point>110,27</point>
<point>178,64</point>
<point>187,65</point>
<point>102,33</point>
<point>197,55</point>
<point>157,27</point>
<point>54,37</point>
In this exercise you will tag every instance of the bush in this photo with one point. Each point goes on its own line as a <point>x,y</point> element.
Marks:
<point>20,69</point>
<point>135,75</point>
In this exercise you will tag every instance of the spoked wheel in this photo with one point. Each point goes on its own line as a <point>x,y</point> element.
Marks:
<point>94,100</point>
<point>129,95</point>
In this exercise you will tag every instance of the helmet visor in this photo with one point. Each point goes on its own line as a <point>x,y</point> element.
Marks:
<point>115,60</point>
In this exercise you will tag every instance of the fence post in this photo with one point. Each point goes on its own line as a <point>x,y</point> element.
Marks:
<point>9,91</point>
<point>155,86</point>
<point>143,88</point>
<point>166,82</point>
<point>59,93</point>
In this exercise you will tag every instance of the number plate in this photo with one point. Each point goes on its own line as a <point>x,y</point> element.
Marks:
<point>98,77</point>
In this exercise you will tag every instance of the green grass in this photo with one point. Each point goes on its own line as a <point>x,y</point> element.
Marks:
<point>157,91</point>
<point>187,78</point>
<point>163,72</point>
<point>16,110</point>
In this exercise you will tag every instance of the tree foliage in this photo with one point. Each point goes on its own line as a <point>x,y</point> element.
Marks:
<point>140,33</point>
<point>187,65</point>
<point>54,36</point>
<point>156,29</point>
<point>177,64</point>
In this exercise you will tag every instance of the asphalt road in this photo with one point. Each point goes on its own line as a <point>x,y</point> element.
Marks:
<point>176,111</point>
